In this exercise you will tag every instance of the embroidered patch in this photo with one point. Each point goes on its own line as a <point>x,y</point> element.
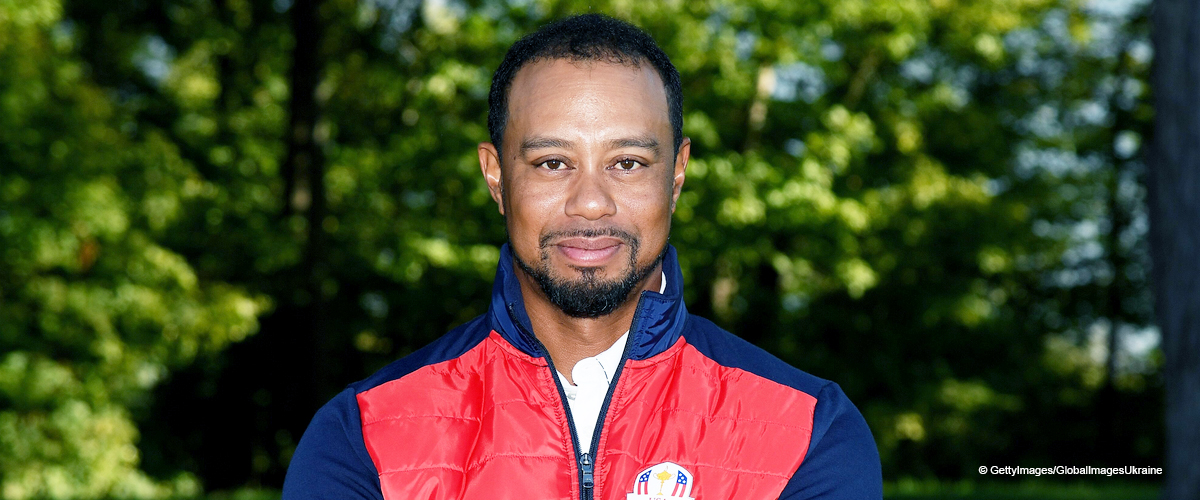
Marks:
<point>665,481</point>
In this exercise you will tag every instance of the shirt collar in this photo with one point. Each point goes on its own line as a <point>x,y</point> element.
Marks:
<point>657,322</point>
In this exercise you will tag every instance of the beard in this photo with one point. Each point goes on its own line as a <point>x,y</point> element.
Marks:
<point>589,296</point>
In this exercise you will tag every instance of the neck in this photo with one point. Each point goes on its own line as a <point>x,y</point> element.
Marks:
<point>568,339</point>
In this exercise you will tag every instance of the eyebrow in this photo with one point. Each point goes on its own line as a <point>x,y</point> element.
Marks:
<point>543,143</point>
<point>643,142</point>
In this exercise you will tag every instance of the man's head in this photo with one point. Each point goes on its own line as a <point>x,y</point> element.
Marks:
<point>587,159</point>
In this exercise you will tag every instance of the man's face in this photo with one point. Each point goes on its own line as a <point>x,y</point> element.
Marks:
<point>589,179</point>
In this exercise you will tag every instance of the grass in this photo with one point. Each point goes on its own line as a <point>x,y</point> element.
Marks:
<point>1024,490</point>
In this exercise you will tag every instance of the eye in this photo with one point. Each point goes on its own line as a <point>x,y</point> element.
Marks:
<point>628,164</point>
<point>552,164</point>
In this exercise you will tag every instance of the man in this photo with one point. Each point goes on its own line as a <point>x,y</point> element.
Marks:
<point>587,378</point>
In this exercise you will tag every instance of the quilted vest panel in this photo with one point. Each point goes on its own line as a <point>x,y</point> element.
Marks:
<point>490,425</point>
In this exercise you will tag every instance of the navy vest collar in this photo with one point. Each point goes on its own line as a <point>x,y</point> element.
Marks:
<point>657,322</point>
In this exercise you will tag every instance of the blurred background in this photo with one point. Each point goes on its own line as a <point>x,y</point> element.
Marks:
<point>214,214</point>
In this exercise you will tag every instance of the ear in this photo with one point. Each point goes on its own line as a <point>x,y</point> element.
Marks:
<point>681,161</point>
<point>489,164</point>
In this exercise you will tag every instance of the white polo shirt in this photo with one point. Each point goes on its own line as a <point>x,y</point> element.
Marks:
<point>592,376</point>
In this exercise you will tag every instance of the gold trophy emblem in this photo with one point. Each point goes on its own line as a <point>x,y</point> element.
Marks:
<point>662,479</point>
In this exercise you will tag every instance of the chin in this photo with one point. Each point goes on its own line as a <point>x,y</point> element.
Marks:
<point>589,292</point>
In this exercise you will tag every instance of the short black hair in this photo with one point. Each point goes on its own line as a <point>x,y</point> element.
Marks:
<point>586,37</point>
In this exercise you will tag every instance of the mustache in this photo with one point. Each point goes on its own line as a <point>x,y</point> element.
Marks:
<point>612,232</point>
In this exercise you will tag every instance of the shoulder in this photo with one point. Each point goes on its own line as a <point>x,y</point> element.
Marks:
<point>732,351</point>
<point>447,347</point>
<point>841,460</point>
<point>331,460</point>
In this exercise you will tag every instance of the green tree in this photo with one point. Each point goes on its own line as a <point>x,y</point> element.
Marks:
<point>95,309</point>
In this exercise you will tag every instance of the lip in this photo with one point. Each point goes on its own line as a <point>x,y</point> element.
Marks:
<point>588,252</point>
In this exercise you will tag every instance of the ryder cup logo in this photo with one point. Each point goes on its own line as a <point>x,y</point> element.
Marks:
<point>665,481</point>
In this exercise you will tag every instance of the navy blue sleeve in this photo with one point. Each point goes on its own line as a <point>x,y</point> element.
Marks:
<point>842,462</point>
<point>331,460</point>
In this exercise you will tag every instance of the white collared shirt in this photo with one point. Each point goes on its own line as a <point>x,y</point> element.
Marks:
<point>592,377</point>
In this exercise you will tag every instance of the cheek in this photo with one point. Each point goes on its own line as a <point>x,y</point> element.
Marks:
<point>650,208</point>
<point>528,209</point>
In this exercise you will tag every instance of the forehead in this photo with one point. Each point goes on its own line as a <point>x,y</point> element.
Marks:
<point>561,96</point>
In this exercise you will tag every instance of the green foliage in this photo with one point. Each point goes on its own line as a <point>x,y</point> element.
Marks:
<point>96,310</point>
<point>934,203</point>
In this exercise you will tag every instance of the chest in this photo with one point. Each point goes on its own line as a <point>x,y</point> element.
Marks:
<point>492,425</point>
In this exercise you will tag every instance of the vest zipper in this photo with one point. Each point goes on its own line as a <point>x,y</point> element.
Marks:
<point>612,386</point>
<point>586,475</point>
<point>583,461</point>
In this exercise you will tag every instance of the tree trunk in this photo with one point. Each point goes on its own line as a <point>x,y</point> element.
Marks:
<point>304,192</point>
<point>1174,199</point>
<point>1110,402</point>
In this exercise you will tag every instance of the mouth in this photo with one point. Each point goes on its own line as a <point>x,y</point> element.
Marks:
<point>589,252</point>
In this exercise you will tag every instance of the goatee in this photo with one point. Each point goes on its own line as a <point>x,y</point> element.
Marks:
<point>588,296</point>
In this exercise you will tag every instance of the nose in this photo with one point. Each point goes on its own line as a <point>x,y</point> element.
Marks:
<point>590,195</point>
